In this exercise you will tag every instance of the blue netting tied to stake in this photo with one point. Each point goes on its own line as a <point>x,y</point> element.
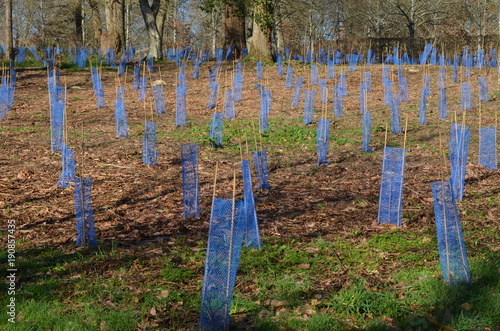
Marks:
<point>442,105</point>
<point>180,106</point>
<point>390,208</point>
<point>459,149</point>
<point>388,92</point>
<point>366,127</point>
<point>488,156</point>
<point>238,87</point>
<point>68,174</point>
<point>353,60</point>
<point>137,77</point>
<point>143,85</point>
<point>338,101</point>
<point>423,107</point>
<point>322,140</point>
<point>84,213</point>
<point>442,78</point>
<point>196,69</point>
<point>425,55</point>
<point>252,234</point>
<point>159,99</point>
<point>466,96</point>
<point>214,91</point>
<point>309,98</point>
<point>427,84</point>
<point>484,94</point>
<point>403,89</point>
<point>35,55</point>
<point>229,110</point>
<point>314,75</point>
<point>342,83</point>
<point>265,108</point>
<point>297,91</point>
<point>149,146</point>
<point>289,77</point>
<point>367,79</point>
<point>225,240</point>
<point>121,121</point>
<point>260,162</point>
<point>362,97</point>
<point>323,90</point>
<point>396,115</point>
<point>216,127</point>
<point>259,70</point>
<point>451,244</point>
<point>330,69</point>
<point>57,126</point>
<point>279,64</point>
<point>190,180</point>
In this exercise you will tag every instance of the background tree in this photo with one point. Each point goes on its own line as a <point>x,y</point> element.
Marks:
<point>9,41</point>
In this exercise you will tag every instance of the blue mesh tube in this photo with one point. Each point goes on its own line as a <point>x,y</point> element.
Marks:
<point>212,75</point>
<point>159,99</point>
<point>451,245</point>
<point>297,91</point>
<point>442,78</point>
<point>442,105</point>
<point>229,53</point>
<point>122,66</point>
<point>468,65</point>
<point>314,75</point>
<point>403,90</point>
<point>330,69</point>
<point>110,58</point>
<point>396,115</point>
<point>425,55</point>
<point>21,55</point>
<point>82,58</point>
<point>454,76</point>
<point>338,101</point>
<point>308,57</point>
<point>423,107</point>
<point>279,64</point>
<point>143,85</point>
<point>367,131</point>
<point>370,57</point>
<point>216,127</point>
<point>229,110</point>
<point>225,240</point>
<point>265,108</point>
<point>181,78</point>
<point>190,180</point>
<point>252,234</point>
<point>353,60</point>
<point>149,147</point>
<point>323,90</point>
<point>149,63</point>
<point>342,83</point>
<point>121,121</point>
<point>84,213</point>
<point>13,77</point>
<point>214,91</point>
<point>259,70</point>
<point>53,78</point>
<point>67,176</point>
<point>484,94</point>
<point>338,57</point>
<point>260,161</point>
<point>433,60</point>
<point>99,93</point>
<point>57,94</point>
<point>493,61</point>
<point>406,59</point>
<point>289,77</point>
<point>441,60</point>
<point>322,140</point>
<point>367,79</point>
<point>385,74</point>
<point>309,98</point>
<point>196,69</point>
<point>488,148</point>
<point>180,106</point>
<point>466,96</point>
<point>480,58</point>
<point>219,57</point>
<point>362,97</point>
<point>390,208</point>
<point>35,55</point>
<point>137,77</point>
<point>57,126</point>
<point>238,87</point>
<point>400,71</point>
<point>427,84</point>
<point>459,149</point>
<point>388,92</point>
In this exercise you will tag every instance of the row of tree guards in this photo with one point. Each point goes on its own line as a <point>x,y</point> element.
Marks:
<point>234,222</point>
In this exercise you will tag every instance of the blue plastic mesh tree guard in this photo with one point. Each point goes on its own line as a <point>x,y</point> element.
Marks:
<point>322,140</point>
<point>260,162</point>
<point>362,97</point>
<point>181,76</point>
<point>265,107</point>
<point>229,110</point>
<point>484,94</point>
<point>493,61</point>
<point>297,91</point>
<point>159,99</point>
<point>196,69</point>
<point>423,107</point>
<point>225,240</point>
<point>67,176</point>
<point>35,55</point>
<point>238,87</point>
<point>314,75</point>
<point>84,213</point>
<point>353,60</point>
<point>468,65</point>
<point>212,75</point>
<point>190,180</point>
<point>451,245</point>
<point>390,209</point>
<point>396,115</point>
<point>488,148</point>
<point>459,149</point>
<point>279,64</point>
<point>323,90</point>
<point>433,60</point>
<point>121,121</point>
<point>466,96</point>
<point>21,55</point>
<point>289,77</point>
<point>57,126</point>
<point>259,70</point>
<point>385,74</point>
<point>403,90</point>
<point>98,88</point>
<point>343,84</point>
<point>330,69</point>
<point>143,85</point>
<point>252,233</point>
<point>442,78</point>
<point>338,103</point>
<point>441,60</point>
<point>122,66</point>
<point>110,58</point>
<point>400,70</point>
<point>425,55</point>
<point>309,98</point>
<point>388,92</point>
<point>367,79</point>
<point>427,84</point>
<point>214,91</point>
<point>137,77</point>
<point>480,58</point>
<point>442,105</point>
<point>149,63</point>
<point>180,106</point>
<point>219,56</point>
<point>366,127</point>
<point>149,146</point>
<point>216,127</point>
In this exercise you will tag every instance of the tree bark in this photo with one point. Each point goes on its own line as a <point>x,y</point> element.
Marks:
<point>96,22</point>
<point>260,44</point>
<point>114,37</point>
<point>234,26</point>
<point>9,52</point>
<point>150,13</point>
<point>78,15</point>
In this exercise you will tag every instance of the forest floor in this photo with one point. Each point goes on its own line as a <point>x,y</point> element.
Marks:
<point>138,209</point>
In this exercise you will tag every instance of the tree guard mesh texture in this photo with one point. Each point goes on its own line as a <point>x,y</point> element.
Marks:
<point>238,87</point>
<point>338,101</point>
<point>403,90</point>
<point>396,115</point>
<point>289,77</point>
<point>297,91</point>
<point>214,91</point>
<point>137,77</point>
<point>323,90</point>
<point>216,127</point>
<point>451,245</point>
<point>57,126</point>
<point>442,78</point>
<point>390,208</point>
<point>149,147</point>
<point>190,180</point>
<point>121,121</point>
<point>36,57</point>
<point>309,96</point>
<point>459,149</point>
<point>314,75</point>
<point>159,99</point>
<point>227,227</point>
<point>259,70</point>
<point>229,111</point>
<point>388,92</point>
<point>260,162</point>
<point>484,94</point>
<point>362,97</point>
<point>442,105</point>
<point>353,60</point>
<point>252,234</point>
<point>322,140</point>
<point>342,82</point>
<point>330,69</point>
<point>423,107</point>
<point>279,64</point>
<point>84,213</point>
<point>366,126</point>
<point>180,106</point>
<point>143,88</point>
<point>367,79</point>
<point>67,176</point>
<point>488,157</point>
<point>196,69</point>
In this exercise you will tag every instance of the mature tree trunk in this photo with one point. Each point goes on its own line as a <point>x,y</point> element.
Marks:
<point>9,52</point>
<point>161,19</point>
<point>234,26</point>
<point>78,16</point>
<point>96,22</point>
<point>150,15</point>
<point>114,37</point>
<point>260,44</point>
